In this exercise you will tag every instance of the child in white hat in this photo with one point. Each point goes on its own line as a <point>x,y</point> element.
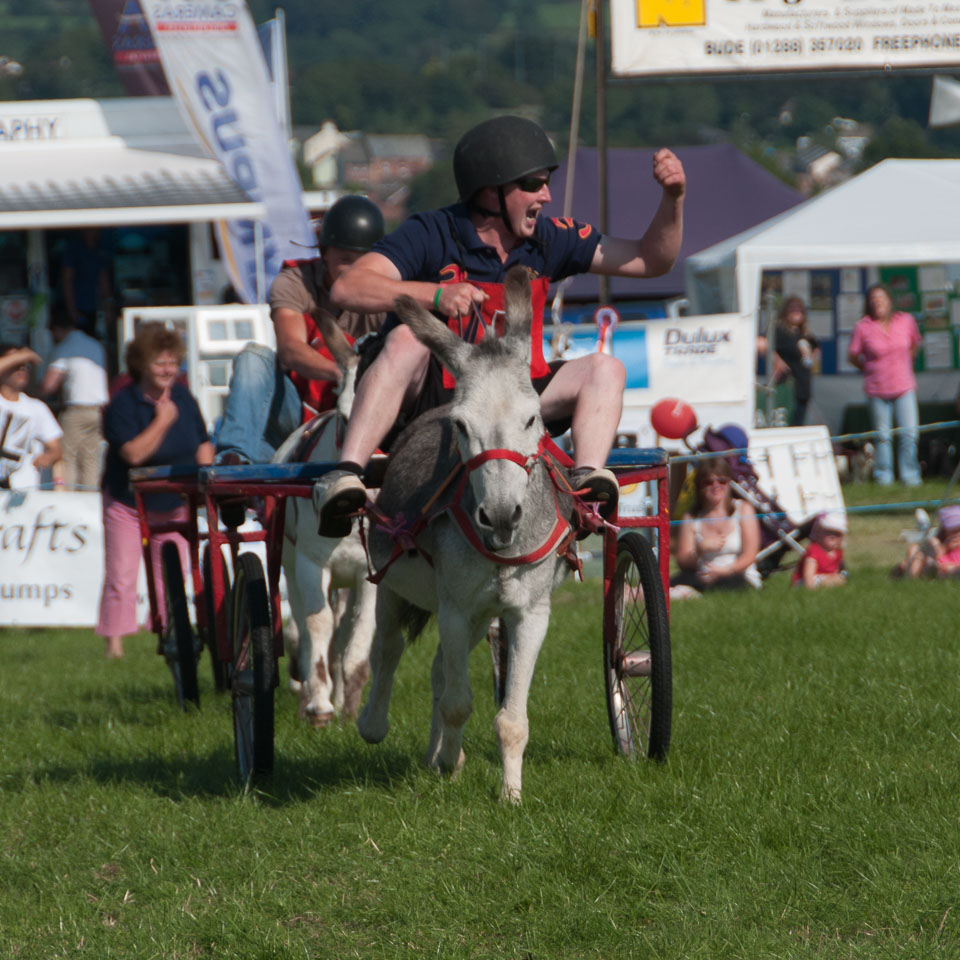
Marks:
<point>822,563</point>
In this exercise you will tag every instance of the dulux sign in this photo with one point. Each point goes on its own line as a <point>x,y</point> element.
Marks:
<point>215,68</point>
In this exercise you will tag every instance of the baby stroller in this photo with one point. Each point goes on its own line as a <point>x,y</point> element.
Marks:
<point>780,537</point>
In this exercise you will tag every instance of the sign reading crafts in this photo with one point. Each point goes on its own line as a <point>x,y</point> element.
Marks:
<point>734,36</point>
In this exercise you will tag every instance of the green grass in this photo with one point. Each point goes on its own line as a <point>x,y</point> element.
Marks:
<point>808,807</point>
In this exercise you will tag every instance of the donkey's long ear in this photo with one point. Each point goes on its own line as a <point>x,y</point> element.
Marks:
<point>336,341</point>
<point>443,343</point>
<point>519,309</point>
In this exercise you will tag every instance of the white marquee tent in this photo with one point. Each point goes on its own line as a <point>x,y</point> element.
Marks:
<point>900,211</point>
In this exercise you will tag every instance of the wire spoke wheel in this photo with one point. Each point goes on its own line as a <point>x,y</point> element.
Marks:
<point>179,645</point>
<point>220,670</point>
<point>253,671</point>
<point>636,654</point>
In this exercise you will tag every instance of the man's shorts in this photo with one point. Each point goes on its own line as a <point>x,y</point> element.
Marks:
<point>434,394</point>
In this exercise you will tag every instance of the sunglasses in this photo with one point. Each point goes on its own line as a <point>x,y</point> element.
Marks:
<point>532,184</point>
<point>712,481</point>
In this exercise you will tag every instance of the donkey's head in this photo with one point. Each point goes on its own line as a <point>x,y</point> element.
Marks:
<point>345,357</point>
<point>495,408</point>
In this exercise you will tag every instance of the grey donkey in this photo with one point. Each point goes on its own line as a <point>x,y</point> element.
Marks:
<point>509,509</point>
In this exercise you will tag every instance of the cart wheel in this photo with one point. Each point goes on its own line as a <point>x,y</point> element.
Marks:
<point>219,667</point>
<point>178,641</point>
<point>497,639</point>
<point>636,654</point>
<point>253,673</point>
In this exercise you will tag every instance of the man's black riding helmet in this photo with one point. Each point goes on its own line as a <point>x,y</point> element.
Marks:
<point>499,151</point>
<point>352,223</point>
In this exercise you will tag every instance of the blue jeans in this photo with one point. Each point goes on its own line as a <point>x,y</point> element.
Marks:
<point>904,411</point>
<point>263,407</point>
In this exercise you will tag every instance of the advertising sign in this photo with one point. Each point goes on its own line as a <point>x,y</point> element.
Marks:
<point>676,37</point>
<point>215,67</point>
<point>707,361</point>
<point>51,560</point>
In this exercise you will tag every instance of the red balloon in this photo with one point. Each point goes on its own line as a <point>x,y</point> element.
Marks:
<point>673,418</point>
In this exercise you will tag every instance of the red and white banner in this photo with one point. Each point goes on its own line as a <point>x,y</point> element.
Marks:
<point>215,68</point>
<point>677,37</point>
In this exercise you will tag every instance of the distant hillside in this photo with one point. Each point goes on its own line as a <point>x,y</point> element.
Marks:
<point>436,66</point>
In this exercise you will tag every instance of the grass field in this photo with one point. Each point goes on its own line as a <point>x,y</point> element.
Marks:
<point>808,808</point>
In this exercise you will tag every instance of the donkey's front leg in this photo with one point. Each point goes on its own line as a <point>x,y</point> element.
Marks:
<point>525,633</point>
<point>456,701</point>
<point>385,654</point>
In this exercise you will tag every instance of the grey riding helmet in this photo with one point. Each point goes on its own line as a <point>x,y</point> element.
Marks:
<point>499,151</point>
<point>352,223</point>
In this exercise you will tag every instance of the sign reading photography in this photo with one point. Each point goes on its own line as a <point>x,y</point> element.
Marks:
<point>678,37</point>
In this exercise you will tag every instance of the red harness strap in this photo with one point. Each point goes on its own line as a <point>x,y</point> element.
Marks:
<point>405,534</point>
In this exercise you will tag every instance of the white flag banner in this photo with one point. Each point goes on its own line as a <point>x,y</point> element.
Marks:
<point>677,37</point>
<point>215,68</point>
<point>944,102</point>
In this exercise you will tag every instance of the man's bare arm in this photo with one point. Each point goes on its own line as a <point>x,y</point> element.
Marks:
<point>656,251</point>
<point>16,358</point>
<point>373,283</point>
<point>294,351</point>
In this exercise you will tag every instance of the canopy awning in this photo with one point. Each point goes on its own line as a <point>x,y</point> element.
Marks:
<point>104,182</point>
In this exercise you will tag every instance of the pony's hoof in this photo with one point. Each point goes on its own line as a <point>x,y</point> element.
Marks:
<point>510,795</point>
<point>372,730</point>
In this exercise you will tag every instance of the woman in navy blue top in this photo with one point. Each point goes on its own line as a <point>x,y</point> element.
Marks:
<point>154,421</point>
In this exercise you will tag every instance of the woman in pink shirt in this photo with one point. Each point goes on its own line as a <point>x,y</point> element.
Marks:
<point>883,346</point>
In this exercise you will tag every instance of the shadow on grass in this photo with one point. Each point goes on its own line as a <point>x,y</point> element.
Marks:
<point>213,774</point>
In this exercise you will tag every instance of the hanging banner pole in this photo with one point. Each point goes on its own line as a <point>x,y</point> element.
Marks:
<point>215,68</point>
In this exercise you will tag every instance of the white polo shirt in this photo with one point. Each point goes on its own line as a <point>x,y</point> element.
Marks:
<point>83,362</point>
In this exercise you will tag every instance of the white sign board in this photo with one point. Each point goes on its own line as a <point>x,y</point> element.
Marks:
<point>51,560</point>
<point>678,37</point>
<point>796,467</point>
<point>706,360</point>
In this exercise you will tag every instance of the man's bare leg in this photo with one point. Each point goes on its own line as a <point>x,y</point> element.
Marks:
<point>590,391</point>
<point>393,379</point>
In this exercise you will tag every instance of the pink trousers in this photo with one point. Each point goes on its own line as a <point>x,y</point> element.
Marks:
<point>122,558</point>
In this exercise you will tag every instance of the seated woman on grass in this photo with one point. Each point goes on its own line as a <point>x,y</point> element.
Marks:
<point>719,539</point>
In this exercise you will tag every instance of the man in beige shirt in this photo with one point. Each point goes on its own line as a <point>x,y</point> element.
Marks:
<point>271,394</point>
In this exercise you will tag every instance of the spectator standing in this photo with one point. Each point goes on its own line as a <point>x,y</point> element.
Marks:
<point>153,421</point>
<point>85,277</point>
<point>799,350</point>
<point>822,563</point>
<point>29,433</point>
<point>78,366</point>
<point>719,539</point>
<point>884,345</point>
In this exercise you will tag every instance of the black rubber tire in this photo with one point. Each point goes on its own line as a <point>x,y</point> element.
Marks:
<point>220,669</point>
<point>253,674</point>
<point>179,642</point>
<point>636,664</point>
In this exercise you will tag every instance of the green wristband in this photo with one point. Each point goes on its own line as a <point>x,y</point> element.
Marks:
<point>436,298</point>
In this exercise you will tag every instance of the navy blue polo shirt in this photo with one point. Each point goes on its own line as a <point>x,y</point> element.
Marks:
<point>429,246</point>
<point>126,416</point>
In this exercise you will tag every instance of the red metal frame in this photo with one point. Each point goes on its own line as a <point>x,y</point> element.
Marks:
<point>212,491</point>
<point>660,521</point>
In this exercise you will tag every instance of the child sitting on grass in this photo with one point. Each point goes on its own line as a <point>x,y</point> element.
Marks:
<point>822,564</point>
<point>938,556</point>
